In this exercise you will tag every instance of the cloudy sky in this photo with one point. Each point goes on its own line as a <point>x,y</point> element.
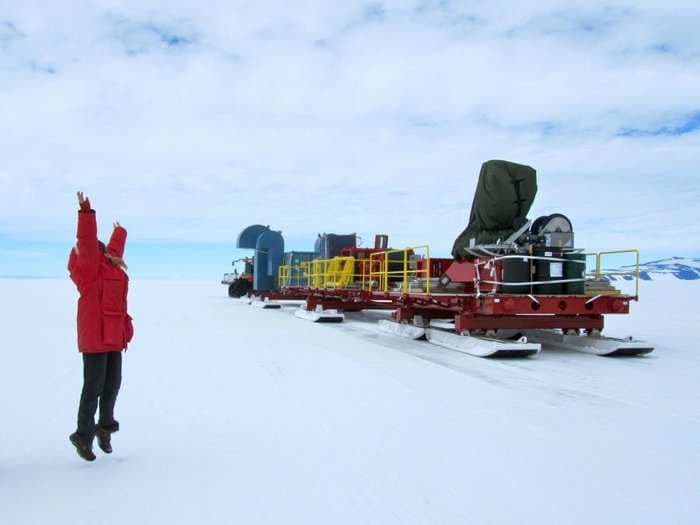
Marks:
<point>187,121</point>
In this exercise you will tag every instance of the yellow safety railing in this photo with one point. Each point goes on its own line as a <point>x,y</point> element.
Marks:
<point>383,268</point>
<point>376,273</point>
<point>291,276</point>
<point>338,272</point>
<point>283,275</point>
<point>600,273</point>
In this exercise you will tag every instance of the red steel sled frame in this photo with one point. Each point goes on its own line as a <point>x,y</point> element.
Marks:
<point>471,312</point>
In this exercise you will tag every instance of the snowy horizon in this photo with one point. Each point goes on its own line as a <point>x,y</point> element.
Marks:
<point>189,124</point>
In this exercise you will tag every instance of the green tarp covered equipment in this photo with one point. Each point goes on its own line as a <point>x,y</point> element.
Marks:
<point>503,198</point>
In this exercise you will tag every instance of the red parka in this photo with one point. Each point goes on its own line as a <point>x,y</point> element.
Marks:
<point>103,322</point>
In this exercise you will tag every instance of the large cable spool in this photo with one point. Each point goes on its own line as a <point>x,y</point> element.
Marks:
<point>554,231</point>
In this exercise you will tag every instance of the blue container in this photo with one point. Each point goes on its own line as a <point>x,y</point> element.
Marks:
<point>329,245</point>
<point>269,250</point>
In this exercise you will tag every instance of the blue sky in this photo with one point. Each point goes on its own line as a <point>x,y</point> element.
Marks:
<point>187,124</point>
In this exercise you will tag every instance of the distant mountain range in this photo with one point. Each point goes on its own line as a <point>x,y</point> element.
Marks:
<point>672,268</point>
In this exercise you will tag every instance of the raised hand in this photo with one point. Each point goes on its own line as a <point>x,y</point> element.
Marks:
<point>84,202</point>
<point>117,225</point>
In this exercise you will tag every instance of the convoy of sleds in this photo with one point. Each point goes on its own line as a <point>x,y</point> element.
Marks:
<point>511,287</point>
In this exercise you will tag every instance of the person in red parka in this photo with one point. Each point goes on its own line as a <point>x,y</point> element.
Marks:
<point>104,327</point>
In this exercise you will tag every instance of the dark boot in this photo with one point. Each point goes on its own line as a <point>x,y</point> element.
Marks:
<point>104,433</point>
<point>104,440</point>
<point>82,446</point>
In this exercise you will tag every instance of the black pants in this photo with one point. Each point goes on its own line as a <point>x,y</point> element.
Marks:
<point>102,377</point>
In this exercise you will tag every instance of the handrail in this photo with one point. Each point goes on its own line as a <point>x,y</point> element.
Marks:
<point>290,275</point>
<point>601,273</point>
<point>367,273</point>
<point>382,260</point>
<point>598,272</point>
<point>337,272</point>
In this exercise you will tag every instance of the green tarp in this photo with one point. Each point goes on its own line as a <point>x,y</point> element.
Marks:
<point>504,194</point>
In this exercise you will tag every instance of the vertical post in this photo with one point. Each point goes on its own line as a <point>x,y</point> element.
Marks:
<point>405,270</point>
<point>386,271</point>
<point>477,279</point>
<point>369,278</point>
<point>427,277</point>
<point>362,268</point>
<point>636,288</point>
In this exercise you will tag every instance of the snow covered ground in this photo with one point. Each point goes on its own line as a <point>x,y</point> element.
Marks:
<point>233,414</point>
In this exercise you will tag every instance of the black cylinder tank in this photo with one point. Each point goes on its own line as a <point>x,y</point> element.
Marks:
<point>548,269</point>
<point>574,268</point>
<point>516,271</point>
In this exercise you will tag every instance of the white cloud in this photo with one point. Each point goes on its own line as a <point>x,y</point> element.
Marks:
<point>190,123</point>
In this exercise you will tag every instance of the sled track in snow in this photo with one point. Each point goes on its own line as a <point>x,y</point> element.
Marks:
<point>510,374</point>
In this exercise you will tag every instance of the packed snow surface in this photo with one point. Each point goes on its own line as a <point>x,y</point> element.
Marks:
<point>235,414</point>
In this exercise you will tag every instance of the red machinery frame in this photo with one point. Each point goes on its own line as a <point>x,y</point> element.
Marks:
<point>480,302</point>
<point>471,312</point>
